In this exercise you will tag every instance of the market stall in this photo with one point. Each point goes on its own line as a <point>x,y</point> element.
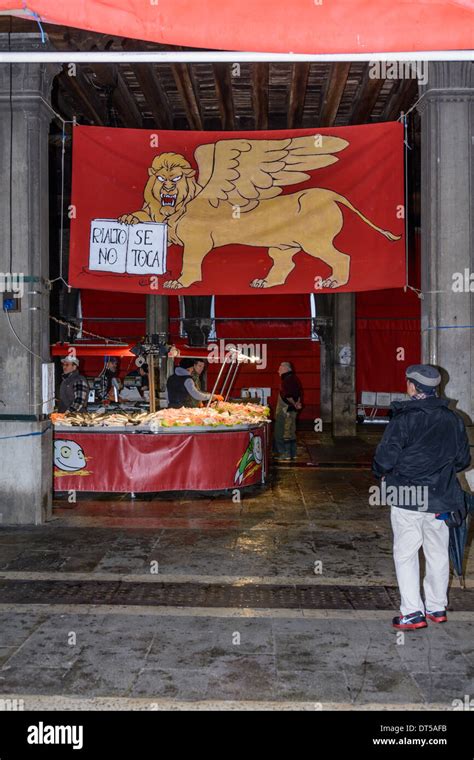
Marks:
<point>222,447</point>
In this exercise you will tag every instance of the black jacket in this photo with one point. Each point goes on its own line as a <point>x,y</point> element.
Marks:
<point>424,444</point>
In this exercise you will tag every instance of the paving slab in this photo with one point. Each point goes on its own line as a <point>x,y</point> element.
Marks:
<point>336,649</point>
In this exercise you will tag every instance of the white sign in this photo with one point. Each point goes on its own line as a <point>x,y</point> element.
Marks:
<point>128,249</point>
<point>108,246</point>
<point>47,387</point>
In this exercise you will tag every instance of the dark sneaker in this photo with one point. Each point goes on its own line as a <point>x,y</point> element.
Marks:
<point>410,622</point>
<point>437,617</point>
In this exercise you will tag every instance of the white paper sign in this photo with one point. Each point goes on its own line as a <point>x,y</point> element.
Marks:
<point>108,246</point>
<point>132,249</point>
<point>147,248</point>
<point>47,376</point>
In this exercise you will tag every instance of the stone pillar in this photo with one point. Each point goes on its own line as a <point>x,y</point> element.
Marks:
<point>25,435</point>
<point>157,322</point>
<point>343,400</point>
<point>447,227</point>
<point>324,328</point>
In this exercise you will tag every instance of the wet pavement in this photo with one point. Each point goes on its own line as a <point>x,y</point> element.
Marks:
<point>282,599</point>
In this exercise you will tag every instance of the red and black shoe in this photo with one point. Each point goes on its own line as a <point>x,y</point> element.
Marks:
<point>437,617</point>
<point>410,622</point>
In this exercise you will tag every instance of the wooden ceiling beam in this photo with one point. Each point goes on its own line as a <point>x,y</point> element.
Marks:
<point>151,87</point>
<point>298,87</point>
<point>83,94</point>
<point>184,83</point>
<point>333,93</point>
<point>400,99</point>
<point>225,97</point>
<point>154,94</point>
<point>106,75</point>
<point>260,81</point>
<point>368,94</point>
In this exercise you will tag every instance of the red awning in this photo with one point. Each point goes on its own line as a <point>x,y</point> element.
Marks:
<point>300,26</point>
<point>92,349</point>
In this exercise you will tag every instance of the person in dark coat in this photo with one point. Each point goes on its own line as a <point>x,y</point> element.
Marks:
<point>424,445</point>
<point>181,389</point>
<point>288,405</point>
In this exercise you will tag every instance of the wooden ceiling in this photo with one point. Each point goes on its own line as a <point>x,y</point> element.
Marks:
<point>215,96</point>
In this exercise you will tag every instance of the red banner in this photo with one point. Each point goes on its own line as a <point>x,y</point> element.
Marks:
<point>134,462</point>
<point>237,212</point>
<point>304,26</point>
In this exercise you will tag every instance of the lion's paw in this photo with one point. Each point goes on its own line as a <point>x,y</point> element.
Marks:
<point>258,283</point>
<point>174,284</point>
<point>330,282</point>
<point>128,219</point>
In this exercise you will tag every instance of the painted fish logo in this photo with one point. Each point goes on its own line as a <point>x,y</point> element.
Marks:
<point>69,456</point>
<point>250,460</point>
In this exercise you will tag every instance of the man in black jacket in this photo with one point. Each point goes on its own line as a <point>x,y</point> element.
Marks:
<point>424,445</point>
<point>181,389</point>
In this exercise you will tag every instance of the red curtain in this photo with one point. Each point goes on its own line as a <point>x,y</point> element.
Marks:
<point>280,331</point>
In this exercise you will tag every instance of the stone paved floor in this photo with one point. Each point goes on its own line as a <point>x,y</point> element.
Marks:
<point>152,656</point>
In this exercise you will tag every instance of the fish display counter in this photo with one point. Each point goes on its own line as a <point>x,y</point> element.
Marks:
<point>211,449</point>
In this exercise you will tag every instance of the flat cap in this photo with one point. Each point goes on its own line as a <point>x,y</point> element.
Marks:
<point>423,374</point>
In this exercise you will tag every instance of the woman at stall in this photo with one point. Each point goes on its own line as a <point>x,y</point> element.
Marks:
<point>198,368</point>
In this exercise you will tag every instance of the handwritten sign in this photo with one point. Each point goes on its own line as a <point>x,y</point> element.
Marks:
<point>128,249</point>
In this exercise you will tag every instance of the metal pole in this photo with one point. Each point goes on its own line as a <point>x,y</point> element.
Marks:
<point>215,56</point>
<point>231,362</point>
<point>151,382</point>
<point>237,363</point>
<point>215,385</point>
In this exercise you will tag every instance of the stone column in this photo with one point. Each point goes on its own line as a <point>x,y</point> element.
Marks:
<point>343,400</point>
<point>25,435</point>
<point>157,322</point>
<point>447,227</point>
<point>324,328</point>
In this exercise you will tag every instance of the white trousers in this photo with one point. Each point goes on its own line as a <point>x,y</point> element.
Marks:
<point>412,530</point>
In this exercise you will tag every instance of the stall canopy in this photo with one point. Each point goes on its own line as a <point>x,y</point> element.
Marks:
<point>302,26</point>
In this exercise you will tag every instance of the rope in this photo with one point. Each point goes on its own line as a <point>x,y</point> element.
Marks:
<point>72,326</point>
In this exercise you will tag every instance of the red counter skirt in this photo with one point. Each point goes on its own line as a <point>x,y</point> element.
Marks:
<point>144,462</point>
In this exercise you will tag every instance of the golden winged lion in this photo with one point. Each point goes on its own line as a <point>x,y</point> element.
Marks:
<point>236,199</point>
